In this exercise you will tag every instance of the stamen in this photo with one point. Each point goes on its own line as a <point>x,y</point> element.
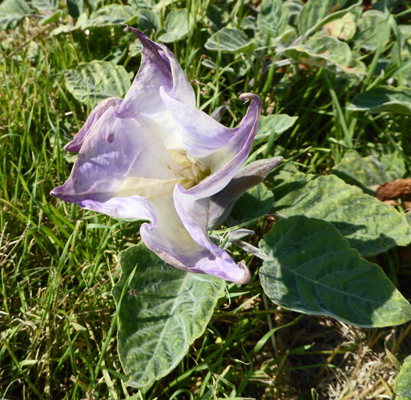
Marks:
<point>199,164</point>
<point>179,173</point>
<point>195,172</point>
<point>190,165</point>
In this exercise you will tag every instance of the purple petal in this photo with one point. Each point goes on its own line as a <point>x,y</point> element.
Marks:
<point>192,205</point>
<point>222,203</point>
<point>98,111</point>
<point>200,133</point>
<point>194,216</point>
<point>133,208</point>
<point>225,162</point>
<point>154,51</point>
<point>168,238</point>
<point>159,69</point>
<point>119,157</point>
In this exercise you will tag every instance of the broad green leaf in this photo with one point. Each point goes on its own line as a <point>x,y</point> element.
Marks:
<point>140,4</point>
<point>370,226</point>
<point>52,18</point>
<point>12,12</point>
<point>164,310</point>
<point>248,22</point>
<point>70,28</point>
<point>75,7</point>
<point>288,37</point>
<point>317,13</point>
<point>45,4</point>
<point>273,17</point>
<point>230,40</point>
<point>97,81</point>
<point>369,172</point>
<point>328,53</point>
<point>148,21</point>
<point>162,4</point>
<point>113,14</point>
<point>254,203</point>
<point>294,9</point>
<point>405,50</point>
<point>284,173</point>
<point>176,26</point>
<point>402,387</point>
<point>373,28</point>
<point>277,123</point>
<point>383,99</point>
<point>383,5</point>
<point>343,28</point>
<point>310,268</point>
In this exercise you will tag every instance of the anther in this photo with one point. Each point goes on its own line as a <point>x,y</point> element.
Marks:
<point>200,165</point>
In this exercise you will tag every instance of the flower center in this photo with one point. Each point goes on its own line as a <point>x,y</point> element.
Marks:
<point>191,169</point>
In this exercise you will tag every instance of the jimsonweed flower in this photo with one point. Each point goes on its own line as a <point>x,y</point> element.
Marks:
<point>154,156</point>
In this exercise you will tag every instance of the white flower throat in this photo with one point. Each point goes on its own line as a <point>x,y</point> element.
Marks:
<point>191,169</point>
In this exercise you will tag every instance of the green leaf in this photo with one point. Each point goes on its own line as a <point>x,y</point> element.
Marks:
<point>12,12</point>
<point>45,4</point>
<point>373,28</point>
<point>402,387</point>
<point>75,7</point>
<point>70,28</point>
<point>310,268</point>
<point>148,21</point>
<point>248,22</point>
<point>176,26</point>
<point>328,53</point>
<point>288,37</point>
<point>370,226</point>
<point>164,310</point>
<point>140,4</point>
<point>52,18</point>
<point>284,173</point>
<point>383,99</point>
<point>405,49</point>
<point>317,13</point>
<point>294,9</point>
<point>343,28</point>
<point>97,81</point>
<point>113,14</point>
<point>273,17</point>
<point>369,172</point>
<point>254,203</point>
<point>277,123</point>
<point>230,40</point>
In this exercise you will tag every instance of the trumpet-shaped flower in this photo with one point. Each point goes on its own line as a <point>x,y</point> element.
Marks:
<point>155,157</point>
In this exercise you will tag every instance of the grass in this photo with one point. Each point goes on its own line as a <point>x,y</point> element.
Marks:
<point>59,263</point>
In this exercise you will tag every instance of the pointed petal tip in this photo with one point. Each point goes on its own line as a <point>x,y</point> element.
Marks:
<point>151,49</point>
<point>72,147</point>
<point>144,39</point>
<point>137,32</point>
<point>247,274</point>
<point>58,192</point>
<point>253,97</point>
<point>277,161</point>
